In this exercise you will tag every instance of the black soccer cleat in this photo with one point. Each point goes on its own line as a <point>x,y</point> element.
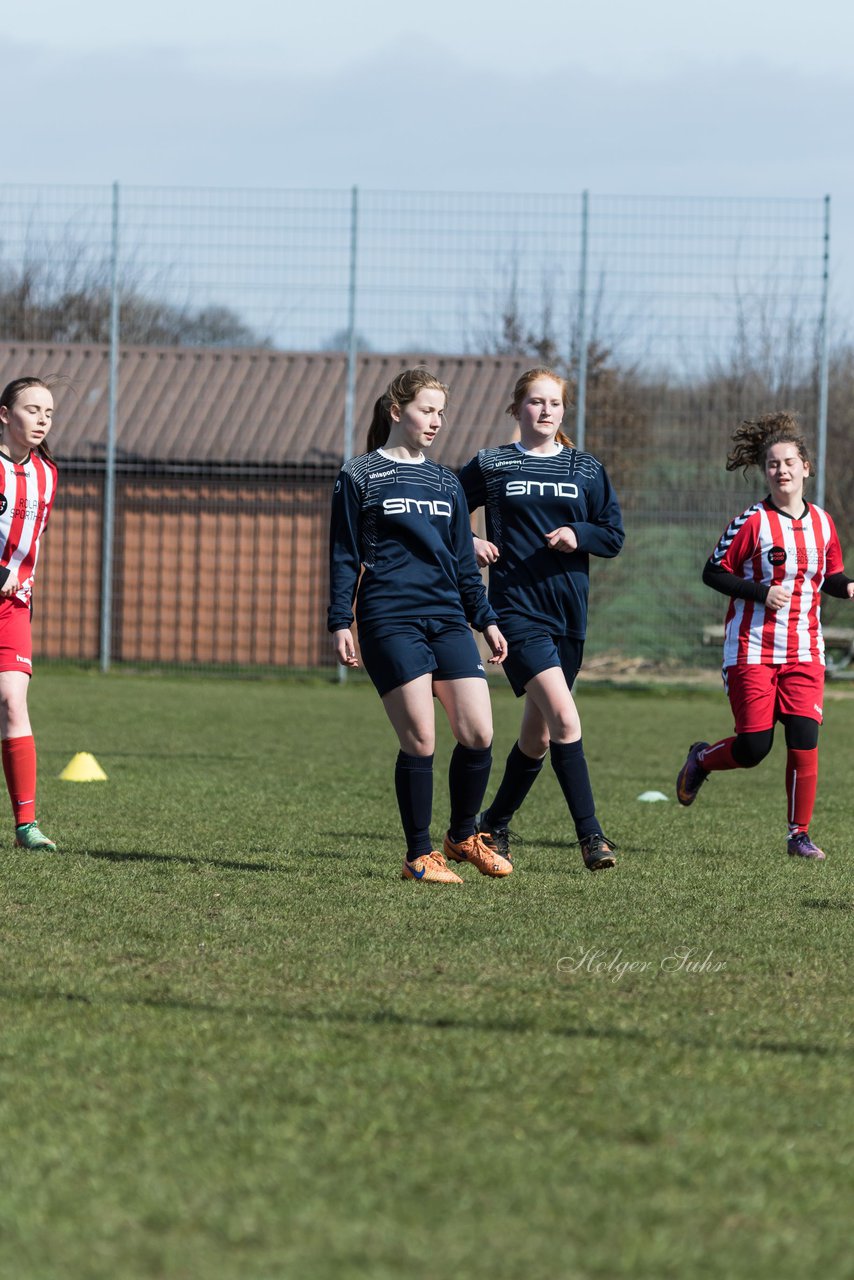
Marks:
<point>598,852</point>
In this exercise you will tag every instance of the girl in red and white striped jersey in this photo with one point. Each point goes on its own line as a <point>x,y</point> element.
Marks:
<point>773,561</point>
<point>27,489</point>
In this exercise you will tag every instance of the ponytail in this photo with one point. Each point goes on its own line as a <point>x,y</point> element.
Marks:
<point>754,437</point>
<point>380,428</point>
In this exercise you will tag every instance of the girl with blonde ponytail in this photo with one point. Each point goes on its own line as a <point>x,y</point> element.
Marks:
<point>401,548</point>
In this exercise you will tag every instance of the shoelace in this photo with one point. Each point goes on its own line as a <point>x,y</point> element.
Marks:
<point>598,844</point>
<point>508,833</point>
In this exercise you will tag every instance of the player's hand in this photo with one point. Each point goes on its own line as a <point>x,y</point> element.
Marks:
<point>850,590</point>
<point>484,552</point>
<point>497,644</point>
<point>10,586</point>
<point>777,597</point>
<point>345,649</point>
<point>562,539</point>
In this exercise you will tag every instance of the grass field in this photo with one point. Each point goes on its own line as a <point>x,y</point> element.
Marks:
<point>235,1044</point>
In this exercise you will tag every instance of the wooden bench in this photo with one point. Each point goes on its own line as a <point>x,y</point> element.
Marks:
<point>838,645</point>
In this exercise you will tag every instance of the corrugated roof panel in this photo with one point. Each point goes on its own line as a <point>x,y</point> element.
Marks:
<point>184,404</point>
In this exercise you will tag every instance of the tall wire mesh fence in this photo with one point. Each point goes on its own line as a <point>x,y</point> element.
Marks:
<point>251,330</point>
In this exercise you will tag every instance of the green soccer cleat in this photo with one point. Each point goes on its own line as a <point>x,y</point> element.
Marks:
<point>28,836</point>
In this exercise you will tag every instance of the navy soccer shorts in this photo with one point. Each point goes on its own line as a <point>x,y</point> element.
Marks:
<point>531,651</point>
<point>396,652</point>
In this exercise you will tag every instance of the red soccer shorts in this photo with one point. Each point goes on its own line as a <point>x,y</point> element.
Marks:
<point>761,692</point>
<point>16,637</point>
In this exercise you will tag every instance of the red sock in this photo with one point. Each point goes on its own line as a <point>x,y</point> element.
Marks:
<point>801,782</point>
<point>19,766</point>
<point>718,756</point>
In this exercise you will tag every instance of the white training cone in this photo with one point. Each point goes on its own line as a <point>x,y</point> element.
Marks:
<point>651,796</point>
<point>83,768</point>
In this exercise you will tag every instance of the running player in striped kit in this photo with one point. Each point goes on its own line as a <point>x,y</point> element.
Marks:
<point>549,507</point>
<point>773,561</point>
<point>400,535</point>
<point>27,490</point>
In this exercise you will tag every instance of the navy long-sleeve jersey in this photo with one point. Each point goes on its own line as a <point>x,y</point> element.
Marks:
<point>408,525</point>
<point>526,496</point>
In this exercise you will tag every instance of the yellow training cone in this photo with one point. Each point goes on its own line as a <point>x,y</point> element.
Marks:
<point>83,768</point>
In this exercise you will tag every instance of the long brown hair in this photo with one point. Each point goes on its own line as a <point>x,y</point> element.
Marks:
<point>521,390</point>
<point>755,436</point>
<point>400,392</point>
<point>10,395</point>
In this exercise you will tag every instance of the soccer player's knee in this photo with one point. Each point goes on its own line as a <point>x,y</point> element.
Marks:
<point>801,733</point>
<point>750,749</point>
<point>417,744</point>
<point>566,728</point>
<point>534,745</point>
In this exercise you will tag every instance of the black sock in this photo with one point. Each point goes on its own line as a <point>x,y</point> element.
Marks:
<point>520,774</point>
<point>468,775</point>
<point>570,767</point>
<point>413,782</point>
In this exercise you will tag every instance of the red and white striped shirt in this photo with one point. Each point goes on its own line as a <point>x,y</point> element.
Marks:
<point>763,545</point>
<point>26,497</point>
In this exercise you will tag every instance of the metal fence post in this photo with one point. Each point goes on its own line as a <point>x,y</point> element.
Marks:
<point>352,350</point>
<point>581,380</point>
<point>110,459</point>
<point>823,363</point>
<point>352,339</point>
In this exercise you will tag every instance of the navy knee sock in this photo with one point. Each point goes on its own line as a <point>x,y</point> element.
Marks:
<point>570,767</point>
<point>468,775</point>
<point>413,783</point>
<point>520,774</point>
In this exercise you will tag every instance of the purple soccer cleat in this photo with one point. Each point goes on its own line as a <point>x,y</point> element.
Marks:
<point>692,775</point>
<point>800,846</point>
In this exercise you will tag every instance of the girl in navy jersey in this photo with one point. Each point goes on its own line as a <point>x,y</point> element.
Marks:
<point>28,478</point>
<point>400,521</point>
<point>773,561</point>
<point>548,509</point>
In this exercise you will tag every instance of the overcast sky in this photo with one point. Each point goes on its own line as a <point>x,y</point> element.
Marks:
<point>743,97</point>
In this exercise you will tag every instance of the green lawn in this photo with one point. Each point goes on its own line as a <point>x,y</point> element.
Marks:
<point>235,1044</point>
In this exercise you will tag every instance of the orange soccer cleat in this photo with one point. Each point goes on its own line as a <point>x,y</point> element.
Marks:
<point>432,867</point>
<point>475,850</point>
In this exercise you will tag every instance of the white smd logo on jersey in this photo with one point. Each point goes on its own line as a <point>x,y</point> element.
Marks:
<point>421,507</point>
<point>540,489</point>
